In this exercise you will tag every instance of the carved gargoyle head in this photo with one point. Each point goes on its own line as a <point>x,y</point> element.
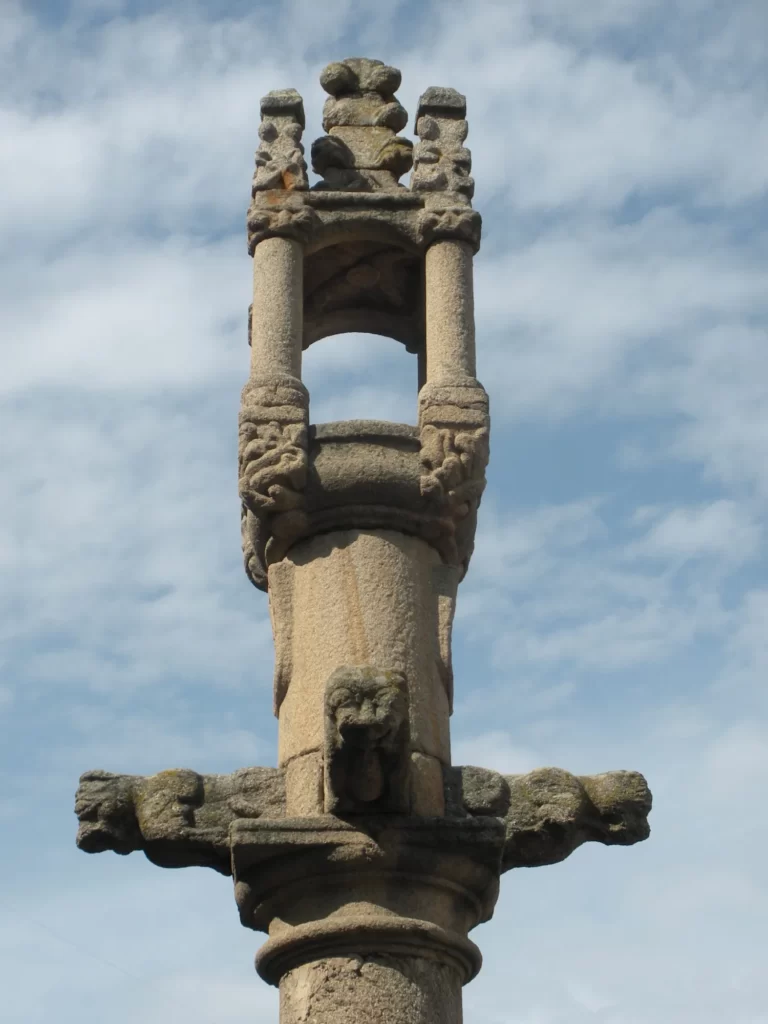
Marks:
<point>366,740</point>
<point>105,810</point>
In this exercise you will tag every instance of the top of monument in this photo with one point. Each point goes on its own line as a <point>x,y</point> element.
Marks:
<point>361,150</point>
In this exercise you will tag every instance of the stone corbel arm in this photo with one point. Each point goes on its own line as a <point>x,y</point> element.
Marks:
<point>549,812</point>
<point>177,818</point>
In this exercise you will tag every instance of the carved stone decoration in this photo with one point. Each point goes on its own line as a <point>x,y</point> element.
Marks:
<point>441,169</point>
<point>549,813</point>
<point>441,163</point>
<point>274,418</point>
<point>280,159</point>
<point>361,152</point>
<point>106,813</point>
<point>367,752</point>
<point>288,218</point>
<point>454,427</point>
<point>444,223</point>
<point>177,817</point>
<point>552,812</point>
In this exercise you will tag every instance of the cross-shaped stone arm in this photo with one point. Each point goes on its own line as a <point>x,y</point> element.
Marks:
<point>180,819</point>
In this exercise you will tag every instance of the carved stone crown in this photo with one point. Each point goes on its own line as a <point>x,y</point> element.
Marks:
<point>365,242</point>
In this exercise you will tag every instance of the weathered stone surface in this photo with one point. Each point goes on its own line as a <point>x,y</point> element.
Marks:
<point>454,428</point>
<point>427,786</point>
<point>361,151</point>
<point>375,988</point>
<point>367,747</point>
<point>280,160</point>
<point>177,817</point>
<point>363,597</point>
<point>441,162</point>
<point>273,445</point>
<point>552,812</point>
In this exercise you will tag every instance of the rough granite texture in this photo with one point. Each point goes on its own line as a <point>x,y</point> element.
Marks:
<point>375,989</point>
<point>366,857</point>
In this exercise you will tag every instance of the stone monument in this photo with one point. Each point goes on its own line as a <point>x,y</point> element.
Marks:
<point>366,856</point>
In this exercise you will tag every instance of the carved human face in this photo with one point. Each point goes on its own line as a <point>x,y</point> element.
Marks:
<point>366,707</point>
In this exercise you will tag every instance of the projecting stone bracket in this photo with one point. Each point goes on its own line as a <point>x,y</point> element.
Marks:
<point>181,819</point>
<point>549,813</point>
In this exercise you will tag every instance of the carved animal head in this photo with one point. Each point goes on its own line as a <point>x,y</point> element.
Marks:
<point>105,810</point>
<point>367,707</point>
<point>366,741</point>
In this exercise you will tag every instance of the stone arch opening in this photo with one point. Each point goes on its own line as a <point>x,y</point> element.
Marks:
<point>364,285</point>
<point>360,376</point>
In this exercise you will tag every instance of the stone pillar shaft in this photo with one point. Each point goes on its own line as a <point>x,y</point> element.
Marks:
<point>276,320</point>
<point>357,598</point>
<point>378,989</point>
<point>450,311</point>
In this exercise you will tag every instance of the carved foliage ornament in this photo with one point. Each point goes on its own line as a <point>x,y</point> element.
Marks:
<point>273,443</point>
<point>454,429</point>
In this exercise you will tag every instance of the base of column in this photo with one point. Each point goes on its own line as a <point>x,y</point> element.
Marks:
<point>396,894</point>
<point>363,935</point>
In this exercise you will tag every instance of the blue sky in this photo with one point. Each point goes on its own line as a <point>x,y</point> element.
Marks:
<point>615,612</point>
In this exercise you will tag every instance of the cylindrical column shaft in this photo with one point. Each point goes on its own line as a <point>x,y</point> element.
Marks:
<point>360,598</point>
<point>363,598</point>
<point>276,322</point>
<point>450,311</point>
<point>377,989</point>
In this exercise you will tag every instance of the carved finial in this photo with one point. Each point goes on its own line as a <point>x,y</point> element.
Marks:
<point>366,741</point>
<point>361,152</point>
<point>441,161</point>
<point>280,159</point>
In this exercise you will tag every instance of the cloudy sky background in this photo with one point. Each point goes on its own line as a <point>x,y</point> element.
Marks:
<point>615,612</point>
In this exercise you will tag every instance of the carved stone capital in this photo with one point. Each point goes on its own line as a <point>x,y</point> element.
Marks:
<point>451,223</point>
<point>274,420</point>
<point>454,427</point>
<point>279,214</point>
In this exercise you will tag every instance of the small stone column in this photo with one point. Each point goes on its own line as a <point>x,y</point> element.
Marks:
<point>450,311</point>
<point>452,231</point>
<point>276,314</point>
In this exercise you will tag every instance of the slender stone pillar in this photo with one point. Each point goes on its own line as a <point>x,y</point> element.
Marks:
<point>276,315</point>
<point>365,856</point>
<point>450,311</point>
